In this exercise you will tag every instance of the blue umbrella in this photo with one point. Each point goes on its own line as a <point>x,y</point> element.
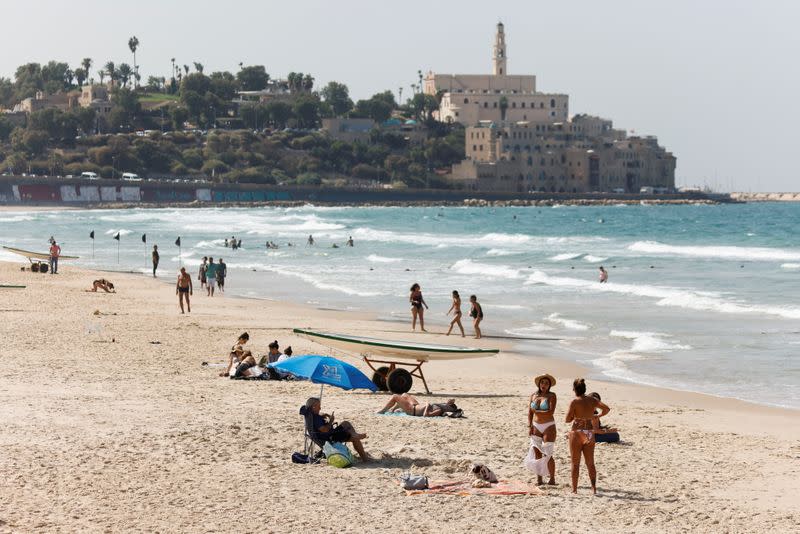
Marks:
<point>325,370</point>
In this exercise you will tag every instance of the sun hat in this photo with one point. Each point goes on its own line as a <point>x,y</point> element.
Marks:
<point>547,376</point>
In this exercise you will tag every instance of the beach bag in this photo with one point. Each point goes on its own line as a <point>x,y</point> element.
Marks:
<point>413,482</point>
<point>338,454</point>
<point>300,458</point>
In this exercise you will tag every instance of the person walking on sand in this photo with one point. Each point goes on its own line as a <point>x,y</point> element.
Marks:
<point>603,275</point>
<point>456,309</point>
<point>201,274</point>
<point>542,429</point>
<point>222,273</point>
<point>417,302</point>
<point>476,312</point>
<point>184,289</point>
<point>211,277</point>
<point>55,252</point>
<point>156,258</point>
<point>581,414</point>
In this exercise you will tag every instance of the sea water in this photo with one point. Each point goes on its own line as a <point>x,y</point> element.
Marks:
<point>700,298</point>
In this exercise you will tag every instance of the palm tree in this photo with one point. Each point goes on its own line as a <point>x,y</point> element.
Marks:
<point>308,82</point>
<point>111,71</point>
<point>125,72</point>
<point>80,76</point>
<point>102,74</point>
<point>86,63</point>
<point>198,67</point>
<point>133,44</point>
<point>186,68</point>
<point>241,65</point>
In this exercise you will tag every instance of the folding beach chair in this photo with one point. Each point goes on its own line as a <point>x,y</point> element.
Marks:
<point>311,439</point>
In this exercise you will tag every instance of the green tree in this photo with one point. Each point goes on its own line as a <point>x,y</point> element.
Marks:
<point>279,113</point>
<point>6,127</point>
<point>179,115</point>
<point>27,80</point>
<point>111,71</point>
<point>86,63</point>
<point>378,108</point>
<point>224,85</point>
<point>125,73</point>
<point>198,67</point>
<point>253,78</point>
<point>306,111</point>
<point>338,96</point>
<point>6,92</point>
<point>80,76</point>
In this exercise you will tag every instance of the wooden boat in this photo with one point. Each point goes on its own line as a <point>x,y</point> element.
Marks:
<point>393,377</point>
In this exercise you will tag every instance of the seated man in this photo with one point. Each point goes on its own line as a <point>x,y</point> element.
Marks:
<point>325,429</point>
<point>103,284</point>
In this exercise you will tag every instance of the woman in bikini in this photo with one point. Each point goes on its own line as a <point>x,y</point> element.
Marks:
<point>476,312</point>
<point>455,307</point>
<point>239,360</point>
<point>542,428</point>
<point>417,302</point>
<point>103,284</point>
<point>582,415</point>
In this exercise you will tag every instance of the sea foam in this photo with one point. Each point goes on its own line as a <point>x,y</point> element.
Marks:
<point>719,252</point>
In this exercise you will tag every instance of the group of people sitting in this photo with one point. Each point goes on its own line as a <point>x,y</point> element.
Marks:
<point>242,364</point>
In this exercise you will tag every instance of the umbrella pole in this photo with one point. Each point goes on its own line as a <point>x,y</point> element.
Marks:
<point>320,391</point>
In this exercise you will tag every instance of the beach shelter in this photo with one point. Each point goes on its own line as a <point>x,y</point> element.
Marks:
<point>325,370</point>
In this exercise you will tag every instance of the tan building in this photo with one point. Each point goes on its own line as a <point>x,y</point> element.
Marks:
<point>518,139</point>
<point>61,101</point>
<point>471,98</point>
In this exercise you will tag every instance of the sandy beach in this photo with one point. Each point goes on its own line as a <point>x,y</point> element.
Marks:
<point>110,423</point>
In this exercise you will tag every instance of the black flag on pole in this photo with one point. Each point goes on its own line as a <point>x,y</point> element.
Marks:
<point>91,234</point>
<point>117,236</point>
<point>144,238</point>
<point>178,242</point>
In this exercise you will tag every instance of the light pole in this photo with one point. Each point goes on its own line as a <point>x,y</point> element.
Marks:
<point>113,167</point>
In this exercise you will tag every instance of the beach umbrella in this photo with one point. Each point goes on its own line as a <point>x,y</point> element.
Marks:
<point>325,370</point>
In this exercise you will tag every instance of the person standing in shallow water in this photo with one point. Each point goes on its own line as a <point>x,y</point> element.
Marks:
<point>456,309</point>
<point>476,312</point>
<point>156,259</point>
<point>417,311</point>
<point>201,274</point>
<point>603,275</point>
<point>582,415</point>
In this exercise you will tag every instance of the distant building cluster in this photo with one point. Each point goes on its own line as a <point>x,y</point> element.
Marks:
<point>518,139</point>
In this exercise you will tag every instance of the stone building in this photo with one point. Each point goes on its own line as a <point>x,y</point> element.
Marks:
<point>518,139</point>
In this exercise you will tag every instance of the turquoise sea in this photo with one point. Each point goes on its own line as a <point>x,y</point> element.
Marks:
<point>700,298</point>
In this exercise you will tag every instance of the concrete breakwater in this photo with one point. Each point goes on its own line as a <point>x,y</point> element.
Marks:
<point>25,190</point>
<point>766,197</point>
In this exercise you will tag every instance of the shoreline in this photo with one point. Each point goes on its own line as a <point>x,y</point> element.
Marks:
<point>121,428</point>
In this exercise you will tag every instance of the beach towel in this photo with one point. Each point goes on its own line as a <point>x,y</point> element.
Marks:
<point>465,488</point>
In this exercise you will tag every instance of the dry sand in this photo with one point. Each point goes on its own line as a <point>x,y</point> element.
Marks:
<point>105,430</point>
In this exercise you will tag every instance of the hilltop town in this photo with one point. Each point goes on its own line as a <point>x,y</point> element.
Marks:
<point>477,132</point>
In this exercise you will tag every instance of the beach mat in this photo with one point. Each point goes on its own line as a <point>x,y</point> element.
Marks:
<point>464,488</point>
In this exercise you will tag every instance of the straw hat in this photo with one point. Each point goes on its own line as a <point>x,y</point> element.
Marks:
<point>547,376</point>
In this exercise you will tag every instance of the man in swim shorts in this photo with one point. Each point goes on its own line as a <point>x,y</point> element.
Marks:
<point>184,288</point>
<point>211,276</point>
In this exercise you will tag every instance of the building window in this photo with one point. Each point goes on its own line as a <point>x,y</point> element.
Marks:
<point>552,102</point>
<point>466,100</point>
<point>474,148</point>
<point>486,104</point>
<point>522,105</point>
<point>541,105</point>
<point>513,104</point>
<point>481,147</point>
<point>494,104</point>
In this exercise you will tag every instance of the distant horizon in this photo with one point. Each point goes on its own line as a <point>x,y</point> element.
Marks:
<point>706,79</point>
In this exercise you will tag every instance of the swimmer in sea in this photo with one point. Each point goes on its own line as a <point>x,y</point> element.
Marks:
<point>603,275</point>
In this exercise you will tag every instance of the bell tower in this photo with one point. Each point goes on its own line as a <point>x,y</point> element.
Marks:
<point>499,56</point>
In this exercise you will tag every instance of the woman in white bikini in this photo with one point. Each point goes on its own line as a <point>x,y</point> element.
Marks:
<point>582,415</point>
<point>542,428</point>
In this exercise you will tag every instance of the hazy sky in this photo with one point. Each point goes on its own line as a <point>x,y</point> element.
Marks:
<point>717,81</point>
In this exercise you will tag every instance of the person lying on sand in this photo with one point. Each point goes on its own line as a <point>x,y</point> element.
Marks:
<point>327,429</point>
<point>103,284</point>
<point>411,406</point>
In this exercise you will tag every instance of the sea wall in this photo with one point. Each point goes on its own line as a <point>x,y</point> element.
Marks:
<point>22,190</point>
